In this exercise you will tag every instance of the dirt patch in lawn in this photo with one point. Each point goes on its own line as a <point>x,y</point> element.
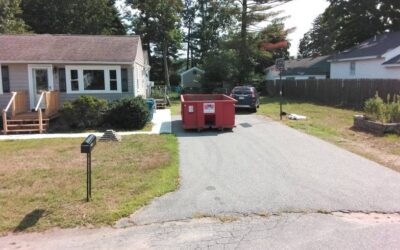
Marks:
<point>335,124</point>
<point>43,182</point>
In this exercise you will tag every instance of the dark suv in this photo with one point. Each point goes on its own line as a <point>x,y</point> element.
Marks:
<point>247,97</point>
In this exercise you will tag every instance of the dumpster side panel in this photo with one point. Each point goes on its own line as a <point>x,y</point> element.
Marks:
<point>225,115</point>
<point>192,115</point>
<point>207,111</point>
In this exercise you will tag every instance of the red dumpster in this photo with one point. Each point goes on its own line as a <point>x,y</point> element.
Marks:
<point>201,111</point>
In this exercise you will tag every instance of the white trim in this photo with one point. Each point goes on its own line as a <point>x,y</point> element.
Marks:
<point>1,81</point>
<point>70,62</point>
<point>354,59</point>
<point>30,77</point>
<point>81,68</point>
<point>191,69</point>
<point>391,65</point>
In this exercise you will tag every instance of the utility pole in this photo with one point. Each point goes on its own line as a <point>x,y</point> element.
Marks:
<point>280,65</point>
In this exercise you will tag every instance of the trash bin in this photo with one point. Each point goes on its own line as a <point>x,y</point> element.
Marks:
<point>201,111</point>
<point>151,105</point>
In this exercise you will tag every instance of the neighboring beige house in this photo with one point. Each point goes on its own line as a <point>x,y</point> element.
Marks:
<point>191,78</point>
<point>68,66</point>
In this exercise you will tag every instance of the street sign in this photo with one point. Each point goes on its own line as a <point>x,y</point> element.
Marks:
<point>280,64</point>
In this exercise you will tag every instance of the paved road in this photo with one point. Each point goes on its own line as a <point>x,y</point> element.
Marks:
<point>287,231</point>
<point>264,166</point>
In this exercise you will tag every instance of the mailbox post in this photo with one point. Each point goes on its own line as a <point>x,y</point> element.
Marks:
<point>86,148</point>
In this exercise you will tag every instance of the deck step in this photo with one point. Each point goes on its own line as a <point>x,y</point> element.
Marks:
<point>11,126</point>
<point>25,120</point>
<point>17,131</point>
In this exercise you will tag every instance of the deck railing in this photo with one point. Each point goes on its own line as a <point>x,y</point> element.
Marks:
<point>18,104</point>
<point>38,109</point>
<point>52,102</point>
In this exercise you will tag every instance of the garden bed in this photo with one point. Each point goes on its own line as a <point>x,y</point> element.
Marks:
<point>361,122</point>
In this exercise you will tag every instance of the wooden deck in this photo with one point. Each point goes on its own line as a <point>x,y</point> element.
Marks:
<point>22,120</point>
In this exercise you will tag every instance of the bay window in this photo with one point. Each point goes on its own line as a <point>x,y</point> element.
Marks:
<point>93,79</point>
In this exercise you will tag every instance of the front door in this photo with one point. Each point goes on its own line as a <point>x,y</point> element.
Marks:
<point>41,78</point>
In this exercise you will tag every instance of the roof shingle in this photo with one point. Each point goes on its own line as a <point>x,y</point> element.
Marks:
<point>375,46</point>
<point>68,48</point>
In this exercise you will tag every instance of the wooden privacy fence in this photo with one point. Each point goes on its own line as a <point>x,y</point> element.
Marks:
<point>337,92</point>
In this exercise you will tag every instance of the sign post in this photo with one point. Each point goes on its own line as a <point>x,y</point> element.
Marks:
<point>280,65</point>
<point>86,148</point>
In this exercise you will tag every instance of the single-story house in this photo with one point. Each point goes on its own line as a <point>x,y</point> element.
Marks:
<point>300,69</point>
<point>191,78</point>
<point>68,66</point>
<point>376,58</point>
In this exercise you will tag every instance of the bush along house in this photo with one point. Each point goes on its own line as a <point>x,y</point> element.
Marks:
<point>40,72</point>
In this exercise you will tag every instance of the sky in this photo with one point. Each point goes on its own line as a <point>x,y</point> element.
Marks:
<point>301,15</point>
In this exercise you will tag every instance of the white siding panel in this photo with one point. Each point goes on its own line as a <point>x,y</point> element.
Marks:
<point>366,69</point>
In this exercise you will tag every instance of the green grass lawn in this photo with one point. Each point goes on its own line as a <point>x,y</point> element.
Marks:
<point>334,124</point>
<point>175,103</point>
<point>43,182</point>
<point>175,107</point>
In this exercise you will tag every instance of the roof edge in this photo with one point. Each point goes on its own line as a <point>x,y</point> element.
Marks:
<point>355,58</point>
<point>65,62</point>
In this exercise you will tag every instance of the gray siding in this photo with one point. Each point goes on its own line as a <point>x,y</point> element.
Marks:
<point>191,80</point>
<point>18,81</point>
<point>109,97</point>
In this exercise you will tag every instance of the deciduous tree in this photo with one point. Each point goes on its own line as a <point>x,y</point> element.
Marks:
<point>346,23</point>
<point>10,20</point>
<point>72,17</point>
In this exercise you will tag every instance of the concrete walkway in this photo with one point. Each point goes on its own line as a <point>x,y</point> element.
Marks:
<point>161,125</point>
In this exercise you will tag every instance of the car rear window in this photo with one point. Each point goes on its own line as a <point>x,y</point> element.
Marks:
<point>241,91</point>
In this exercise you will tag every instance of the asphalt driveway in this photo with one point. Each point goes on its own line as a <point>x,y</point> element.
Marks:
<point>266,167</point>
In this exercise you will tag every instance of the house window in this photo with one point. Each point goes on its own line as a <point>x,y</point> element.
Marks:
<point>4,79</point>
<point>113,80</point>
<point>124,76</point>
<point>61,80</point>
<point>352,68</point>
<point>93,79</point>
<point>74,80</point>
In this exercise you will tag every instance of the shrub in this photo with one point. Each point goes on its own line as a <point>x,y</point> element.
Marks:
<point>128,113</point>
<point>158,93</point>
<point>84,112</point>
<point>394,109</point>
<point>375,109</point>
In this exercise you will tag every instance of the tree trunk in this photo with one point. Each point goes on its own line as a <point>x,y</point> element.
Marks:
<point>188,46</point>
<point>203,42</point>
<point>147,42</point>
<point>165,59</point>
<point>243,43</point>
